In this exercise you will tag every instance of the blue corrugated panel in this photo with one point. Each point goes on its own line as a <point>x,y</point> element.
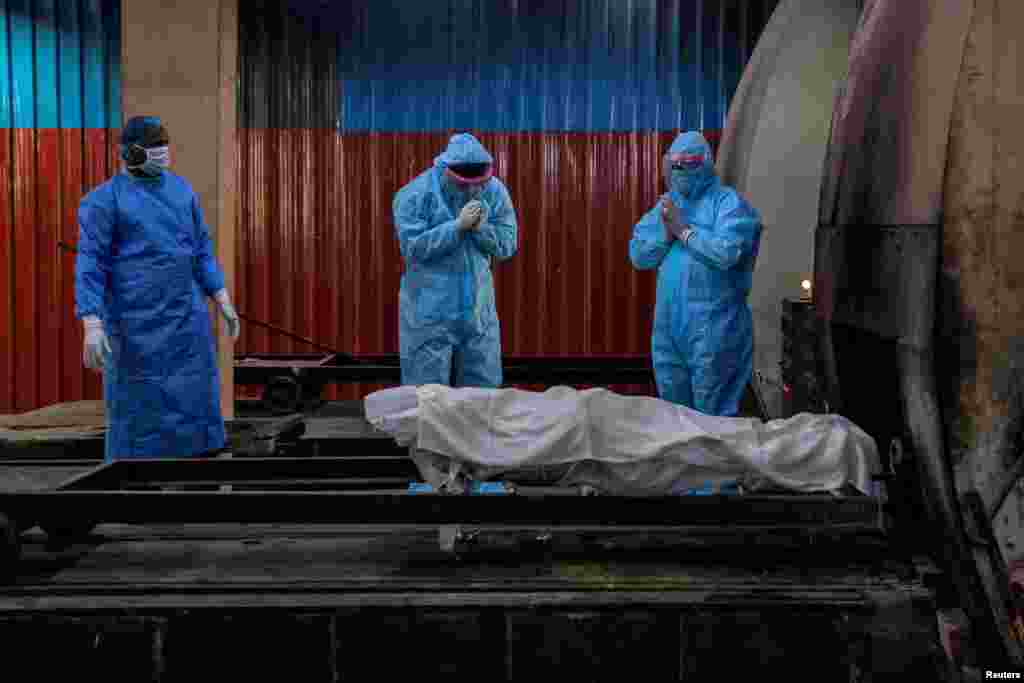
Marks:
<point>112,54</point>
<point>70,53</point>
<point>6,103</point>
<point>59,96</point>
<point>46,63</point>
<point>533,65</point>
<point>94,69</point>
<point>49,50</point>
<point>19,17</point>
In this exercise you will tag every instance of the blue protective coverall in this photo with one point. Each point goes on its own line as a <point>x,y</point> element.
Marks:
<point>145,267</point>
<point>447,320</point>
<point>702,342</point>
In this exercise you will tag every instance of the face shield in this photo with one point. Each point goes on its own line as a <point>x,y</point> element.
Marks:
<point>467,180</point>
<point>686,163</point>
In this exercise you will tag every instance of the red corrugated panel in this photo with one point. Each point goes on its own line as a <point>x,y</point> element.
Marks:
<point>317,253</point>
<point>6,275</point>
<point>59,76</point>
<point>72,372</point>
<point>48,272</point>
<point>328,308</point>
<point>285,179</point>
<point>251,289</point>
<point>97,168</point>
<point>305,260</point>
<point>296,258</point>
<point>41,342</point>
<point>26,348</point>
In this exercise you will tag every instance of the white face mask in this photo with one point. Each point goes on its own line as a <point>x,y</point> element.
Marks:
<point>160,156</point>
<point>157,159</point>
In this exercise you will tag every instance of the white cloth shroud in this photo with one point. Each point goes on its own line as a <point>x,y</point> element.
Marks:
<point>621,445</point>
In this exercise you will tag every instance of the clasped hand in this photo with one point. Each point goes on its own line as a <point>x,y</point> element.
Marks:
<point>471,216</point>
<point>672,218</point>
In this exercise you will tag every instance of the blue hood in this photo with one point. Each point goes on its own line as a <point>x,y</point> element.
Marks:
<point>689,184</point>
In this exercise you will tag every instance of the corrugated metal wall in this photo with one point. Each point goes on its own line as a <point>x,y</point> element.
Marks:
<point>342,104</point>
<point>559,91</point>
<point>60,106</point>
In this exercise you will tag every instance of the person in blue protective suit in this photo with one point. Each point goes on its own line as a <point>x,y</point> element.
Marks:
<point>144,270</point>
<point>703,238</point>
<point>451,222</point>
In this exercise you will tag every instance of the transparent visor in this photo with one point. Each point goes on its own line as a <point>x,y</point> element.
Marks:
<point>686,163</point>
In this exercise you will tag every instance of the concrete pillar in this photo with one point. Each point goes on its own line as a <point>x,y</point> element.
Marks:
<point>180,62</point>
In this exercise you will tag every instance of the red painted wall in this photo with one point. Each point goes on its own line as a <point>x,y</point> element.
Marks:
<point>45,172</point>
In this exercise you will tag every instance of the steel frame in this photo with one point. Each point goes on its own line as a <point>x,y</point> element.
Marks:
<point>366,487</point>
<point>300,378</point>
<point>372,491</point>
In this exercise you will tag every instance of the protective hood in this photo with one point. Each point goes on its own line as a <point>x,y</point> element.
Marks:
<point>694,152</point>
<point>463,148</point>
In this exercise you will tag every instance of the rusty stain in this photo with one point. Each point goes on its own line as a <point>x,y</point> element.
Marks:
<point>982,232</point>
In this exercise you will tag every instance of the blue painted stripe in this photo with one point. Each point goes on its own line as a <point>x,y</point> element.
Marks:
<point>60,63</point>
<point>688,100</point>
<point>45,55</point>
<point>535,65</point>
<point>19,14</point>
<point>711,62</point>
<point>647,107</point>
<point>6,104</point>
<point>94,97</point>
<point>112,30</point>
<point>70,64</point>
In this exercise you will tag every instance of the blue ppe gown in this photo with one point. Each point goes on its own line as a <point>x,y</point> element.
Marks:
<point>448,327</point>
<point>703,341</point>
<point>145,267</point>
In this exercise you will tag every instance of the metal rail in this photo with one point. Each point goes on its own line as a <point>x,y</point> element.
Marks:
<point>397,506</point>
<point>342,368</point>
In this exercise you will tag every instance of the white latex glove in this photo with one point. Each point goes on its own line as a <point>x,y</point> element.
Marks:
<point>670,215</point>
<point>469,217</point>
<point>97,346</point>
<point>229,314</point>
<point>675,228</point>
<point>484,213</point>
